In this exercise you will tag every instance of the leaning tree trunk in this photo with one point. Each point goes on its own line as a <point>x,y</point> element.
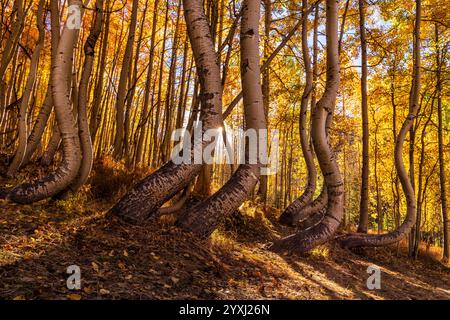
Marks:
<point>143,201</point>
<point>323,231</point>
<point>364,199</point>
<point>23,111</point>
<point>313,211</point>
<point>362,240</point>
<point>83,94</point>
<point>203,219</point>
<point>58,180</point>
<point>288,216</point>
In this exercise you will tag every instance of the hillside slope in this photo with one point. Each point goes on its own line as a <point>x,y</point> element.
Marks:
<point>157,261</point>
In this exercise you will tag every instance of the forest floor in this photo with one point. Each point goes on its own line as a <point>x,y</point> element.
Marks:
<point>158,261</point>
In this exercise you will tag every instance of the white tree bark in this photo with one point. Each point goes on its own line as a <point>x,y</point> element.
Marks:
<point>58,180</point>
<point>290,214</point>
<point>363,240</point>
<point>83,126</point>
<point>204,218</point>
<point>324,231</point>
<point>143,201</point>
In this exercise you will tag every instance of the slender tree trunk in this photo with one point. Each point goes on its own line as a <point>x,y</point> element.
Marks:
<point>145,115</point>
<point>129,124</point>
<point>31,81</point>
<point>364,200</point>
<point>442,178</point>
<point>184,84</point>
<point>380,215</point>
<point>40,124</point>
<point>394,133</point>
<point>360,240</point>
<point>289,214</point>
<point>420,185</point>
<point>156,136</point>
<point>35,136</point>
<point>170,93</point>
<point>58,180</point>
<point>204,218</point>
<point>123,84</point>
<point>18,14</point>
<point>262,191</point>
<point>47,106</point>
<point>95,117</point>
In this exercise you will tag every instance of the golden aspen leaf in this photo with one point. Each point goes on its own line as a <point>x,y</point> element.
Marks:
<point>104,291</point>
<point>95,267</point>
<point>74,296</point>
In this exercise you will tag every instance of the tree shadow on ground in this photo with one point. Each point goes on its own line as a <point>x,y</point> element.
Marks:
<point>345,273</point>
<point>158,261</point>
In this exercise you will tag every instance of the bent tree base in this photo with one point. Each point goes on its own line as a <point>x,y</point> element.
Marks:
<point>143,201</point>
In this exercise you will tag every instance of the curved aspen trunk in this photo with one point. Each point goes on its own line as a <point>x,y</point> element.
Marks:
<point>361,240</point>
<point>83,126</point>
<point>318,205</point>
<point>55,140</point>
<point>289,214</point>
<point>23,123</point>
<point>35,136</point>
<point>143,201</point>
<point>322,232</point>
<point>313,219</point>
<point>57,181</point>
<point>204,218</point>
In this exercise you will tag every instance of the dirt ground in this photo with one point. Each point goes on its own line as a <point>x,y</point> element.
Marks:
<point>158,261</point>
